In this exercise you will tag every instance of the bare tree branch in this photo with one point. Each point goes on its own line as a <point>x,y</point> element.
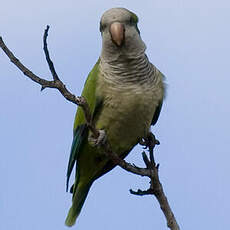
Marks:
<point>56,83</point>
<point>151,169</point>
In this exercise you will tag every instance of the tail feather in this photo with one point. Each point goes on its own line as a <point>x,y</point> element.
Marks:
<point>79,196</point>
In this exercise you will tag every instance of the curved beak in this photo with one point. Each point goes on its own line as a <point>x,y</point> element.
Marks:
<point>117,32</point>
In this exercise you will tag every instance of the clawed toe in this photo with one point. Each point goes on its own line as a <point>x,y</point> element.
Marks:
<point>100,140</point>
<point>150,141</point>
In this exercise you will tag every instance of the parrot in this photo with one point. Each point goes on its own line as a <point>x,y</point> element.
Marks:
<point>125,92</point>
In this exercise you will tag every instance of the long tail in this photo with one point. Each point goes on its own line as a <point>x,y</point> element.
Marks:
<point>79,196</point>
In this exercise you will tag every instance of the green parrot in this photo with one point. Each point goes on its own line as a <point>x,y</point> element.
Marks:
<point>125,93</point>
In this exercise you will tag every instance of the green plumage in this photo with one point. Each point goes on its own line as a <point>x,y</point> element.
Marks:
<point>79,197</point>
<point>125,96</point>
<point>80,190</point>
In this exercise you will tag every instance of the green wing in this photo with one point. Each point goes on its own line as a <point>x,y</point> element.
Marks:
<point>88,93</point>
<point>158,109</point>
<point>80,130</point>
<point>156,114</point>
<point>78,137</point>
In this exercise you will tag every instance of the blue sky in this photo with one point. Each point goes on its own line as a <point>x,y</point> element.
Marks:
<point>189,42</point>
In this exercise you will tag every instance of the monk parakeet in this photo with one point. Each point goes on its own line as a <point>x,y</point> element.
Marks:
<point>125,93</point>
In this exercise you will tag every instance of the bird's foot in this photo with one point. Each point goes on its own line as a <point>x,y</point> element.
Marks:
<point>100,140</point>
<point>150,141</point>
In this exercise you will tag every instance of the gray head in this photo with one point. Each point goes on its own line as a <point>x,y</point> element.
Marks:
<point>120,35</point>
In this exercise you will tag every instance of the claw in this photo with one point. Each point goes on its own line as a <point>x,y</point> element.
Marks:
<point>100,140</point>
<point>149,141</point>
<point>157,142</point>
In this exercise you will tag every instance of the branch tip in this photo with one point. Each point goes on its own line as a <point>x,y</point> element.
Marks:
<point>46,51</point>
<point>141,192</point>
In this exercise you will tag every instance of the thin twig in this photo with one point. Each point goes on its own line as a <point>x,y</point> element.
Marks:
<point>151,169</point>
<point>49,61</point>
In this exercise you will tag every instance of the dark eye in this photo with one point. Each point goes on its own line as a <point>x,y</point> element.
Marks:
<point>133,19</point>
<point>102,27</point>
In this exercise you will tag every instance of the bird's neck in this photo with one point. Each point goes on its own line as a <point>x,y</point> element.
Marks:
<point>112,53</point>
<point>125,70</point>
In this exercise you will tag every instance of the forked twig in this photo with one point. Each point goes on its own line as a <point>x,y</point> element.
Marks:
<point>151,169</point>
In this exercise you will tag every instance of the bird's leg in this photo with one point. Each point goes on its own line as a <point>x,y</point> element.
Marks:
<point>100,140</point>
<point>150,142</point>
